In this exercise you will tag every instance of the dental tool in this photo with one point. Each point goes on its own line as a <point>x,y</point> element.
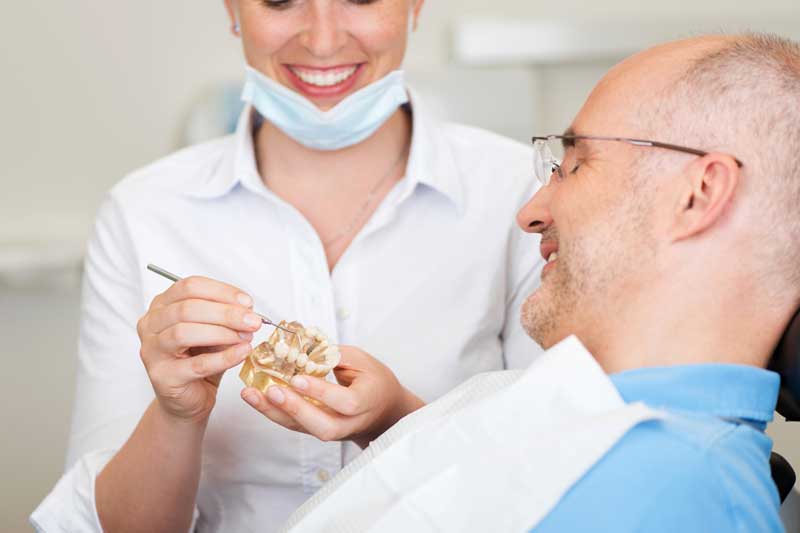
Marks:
<point>172,277</point>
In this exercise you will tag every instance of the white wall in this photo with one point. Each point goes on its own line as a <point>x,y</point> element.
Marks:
<point>91,90</point>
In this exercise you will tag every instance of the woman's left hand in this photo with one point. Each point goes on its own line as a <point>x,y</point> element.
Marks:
<point>367,401</point>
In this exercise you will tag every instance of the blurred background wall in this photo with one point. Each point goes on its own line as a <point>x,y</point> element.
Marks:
<point>92,90</point>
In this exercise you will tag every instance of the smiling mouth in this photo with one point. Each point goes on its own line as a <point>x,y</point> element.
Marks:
<point>548,248</point>
<point>324,78</point>
<point>550,264</point>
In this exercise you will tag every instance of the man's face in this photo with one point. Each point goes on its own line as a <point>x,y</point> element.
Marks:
<point>596,225</point>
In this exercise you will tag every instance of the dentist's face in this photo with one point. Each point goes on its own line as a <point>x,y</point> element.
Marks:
<point>596,226</point>
<point>324,49</point>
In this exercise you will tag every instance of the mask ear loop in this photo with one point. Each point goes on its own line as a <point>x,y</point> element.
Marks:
<point>236,28</point>
<point>411,22</point>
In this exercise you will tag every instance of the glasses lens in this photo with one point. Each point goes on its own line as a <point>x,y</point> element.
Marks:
<point>545,161</point>
<point>556,148</point>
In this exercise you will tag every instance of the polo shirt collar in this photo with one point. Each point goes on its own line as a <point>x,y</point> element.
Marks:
<point>722,390</point>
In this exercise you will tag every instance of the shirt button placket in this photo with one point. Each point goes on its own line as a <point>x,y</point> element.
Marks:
<point>323,475</point>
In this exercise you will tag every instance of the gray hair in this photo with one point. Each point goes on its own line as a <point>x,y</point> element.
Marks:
<point>743,98</point>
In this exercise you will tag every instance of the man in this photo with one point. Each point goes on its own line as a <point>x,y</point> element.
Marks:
<point>675,264</point>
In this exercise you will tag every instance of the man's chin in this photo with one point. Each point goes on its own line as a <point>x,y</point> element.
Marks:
<point>538,318</point>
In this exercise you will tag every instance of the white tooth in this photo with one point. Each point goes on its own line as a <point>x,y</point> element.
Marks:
<point>281,349</point>
<point>552,257</point>
<point>325,79</point>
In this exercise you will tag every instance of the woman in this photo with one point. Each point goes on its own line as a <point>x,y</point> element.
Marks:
<point>372,221</point>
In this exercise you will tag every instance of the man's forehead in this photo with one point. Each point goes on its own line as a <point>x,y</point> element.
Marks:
<point>613,104</point>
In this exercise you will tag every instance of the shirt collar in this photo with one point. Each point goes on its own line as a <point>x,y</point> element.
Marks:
<point>722,390</point>
<point>431,161</point>
<point>236,164</point>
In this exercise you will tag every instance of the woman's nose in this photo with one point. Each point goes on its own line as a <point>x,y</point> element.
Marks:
<point>535,217</point>
<point>324,34</point>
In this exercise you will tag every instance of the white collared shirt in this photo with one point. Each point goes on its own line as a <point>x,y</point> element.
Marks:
<point>431,286</point>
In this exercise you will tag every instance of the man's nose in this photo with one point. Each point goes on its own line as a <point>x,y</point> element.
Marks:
<point>534,217</point>
<point>324,34</point>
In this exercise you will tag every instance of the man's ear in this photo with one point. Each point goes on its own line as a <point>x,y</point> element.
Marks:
<point>708,187</point>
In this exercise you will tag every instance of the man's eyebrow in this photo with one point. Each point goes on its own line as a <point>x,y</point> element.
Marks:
<point>568,142</point>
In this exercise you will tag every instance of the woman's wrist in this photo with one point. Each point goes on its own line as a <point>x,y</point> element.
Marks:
<point>410,403</point>
<point>407,403</point>
<point>177,425</point>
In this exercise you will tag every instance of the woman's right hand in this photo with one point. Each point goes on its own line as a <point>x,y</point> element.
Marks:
<point>191,334</point>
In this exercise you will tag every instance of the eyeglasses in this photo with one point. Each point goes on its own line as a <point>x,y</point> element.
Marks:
<point>549,151</point>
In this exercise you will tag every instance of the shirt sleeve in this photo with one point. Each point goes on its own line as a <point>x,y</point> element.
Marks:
<point>112,388</point>
<point>689,506</point>
<point>524,271</point>
<point>729,489</point>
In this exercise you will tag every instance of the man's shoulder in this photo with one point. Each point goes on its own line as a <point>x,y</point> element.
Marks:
<point>696,473</point>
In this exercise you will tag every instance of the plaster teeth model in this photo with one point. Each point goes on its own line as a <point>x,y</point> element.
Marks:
<point>284,355</point>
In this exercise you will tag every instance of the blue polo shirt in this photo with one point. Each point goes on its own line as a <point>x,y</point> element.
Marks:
<point>705,468</point>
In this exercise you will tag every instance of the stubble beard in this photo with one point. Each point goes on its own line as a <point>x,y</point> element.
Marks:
<point>545,313</point>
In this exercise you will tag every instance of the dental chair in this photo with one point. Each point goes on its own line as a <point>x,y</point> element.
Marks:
<point>786,362</point>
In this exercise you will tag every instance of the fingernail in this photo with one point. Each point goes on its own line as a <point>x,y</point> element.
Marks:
<point>245,335</point>
<point>275,395</point>
<point>252,320</point>
<point>244,299</point>
<point>251,398</point>
<point>299,383</point>
<point>243,349</point>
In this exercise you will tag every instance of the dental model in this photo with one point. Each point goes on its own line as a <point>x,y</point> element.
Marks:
<point>284,355</point>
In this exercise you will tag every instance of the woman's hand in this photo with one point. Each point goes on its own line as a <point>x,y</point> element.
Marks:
<point>367,401</point>
<point>192,333</point>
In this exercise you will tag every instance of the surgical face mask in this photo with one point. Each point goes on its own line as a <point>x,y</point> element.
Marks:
<point>348,123</point>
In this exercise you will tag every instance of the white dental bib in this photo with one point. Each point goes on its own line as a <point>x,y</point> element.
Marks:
<point>495,454</point>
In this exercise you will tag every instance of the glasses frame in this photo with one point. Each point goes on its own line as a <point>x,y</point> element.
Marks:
<point>556,164</point>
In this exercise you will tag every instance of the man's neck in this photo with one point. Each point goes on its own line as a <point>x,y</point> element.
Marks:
<point>692,328</point>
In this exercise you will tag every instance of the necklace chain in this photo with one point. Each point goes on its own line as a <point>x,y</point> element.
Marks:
<point>365,206</point>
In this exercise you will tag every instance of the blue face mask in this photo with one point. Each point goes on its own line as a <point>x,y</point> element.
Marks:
<point>349,122</point>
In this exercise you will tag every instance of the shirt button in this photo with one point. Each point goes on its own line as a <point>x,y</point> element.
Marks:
<point>323,475</point>
<point>343,313</point>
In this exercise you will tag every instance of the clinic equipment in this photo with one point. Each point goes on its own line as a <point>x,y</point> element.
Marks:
<point>786,362</point>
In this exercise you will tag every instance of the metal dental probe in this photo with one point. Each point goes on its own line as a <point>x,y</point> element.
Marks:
<point>172,277</point>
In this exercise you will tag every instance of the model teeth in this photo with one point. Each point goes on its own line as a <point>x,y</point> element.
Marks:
<point>284,355</point>
<point>326,78</point>
<point>552,257</point>
<point>281,349</point>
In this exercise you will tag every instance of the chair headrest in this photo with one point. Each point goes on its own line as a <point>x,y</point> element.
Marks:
<point>786,362</point>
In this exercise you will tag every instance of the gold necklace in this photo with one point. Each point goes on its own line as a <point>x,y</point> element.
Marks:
<point>370,197</point>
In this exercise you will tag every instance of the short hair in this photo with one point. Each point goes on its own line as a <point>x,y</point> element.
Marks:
<point>743,98</point>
